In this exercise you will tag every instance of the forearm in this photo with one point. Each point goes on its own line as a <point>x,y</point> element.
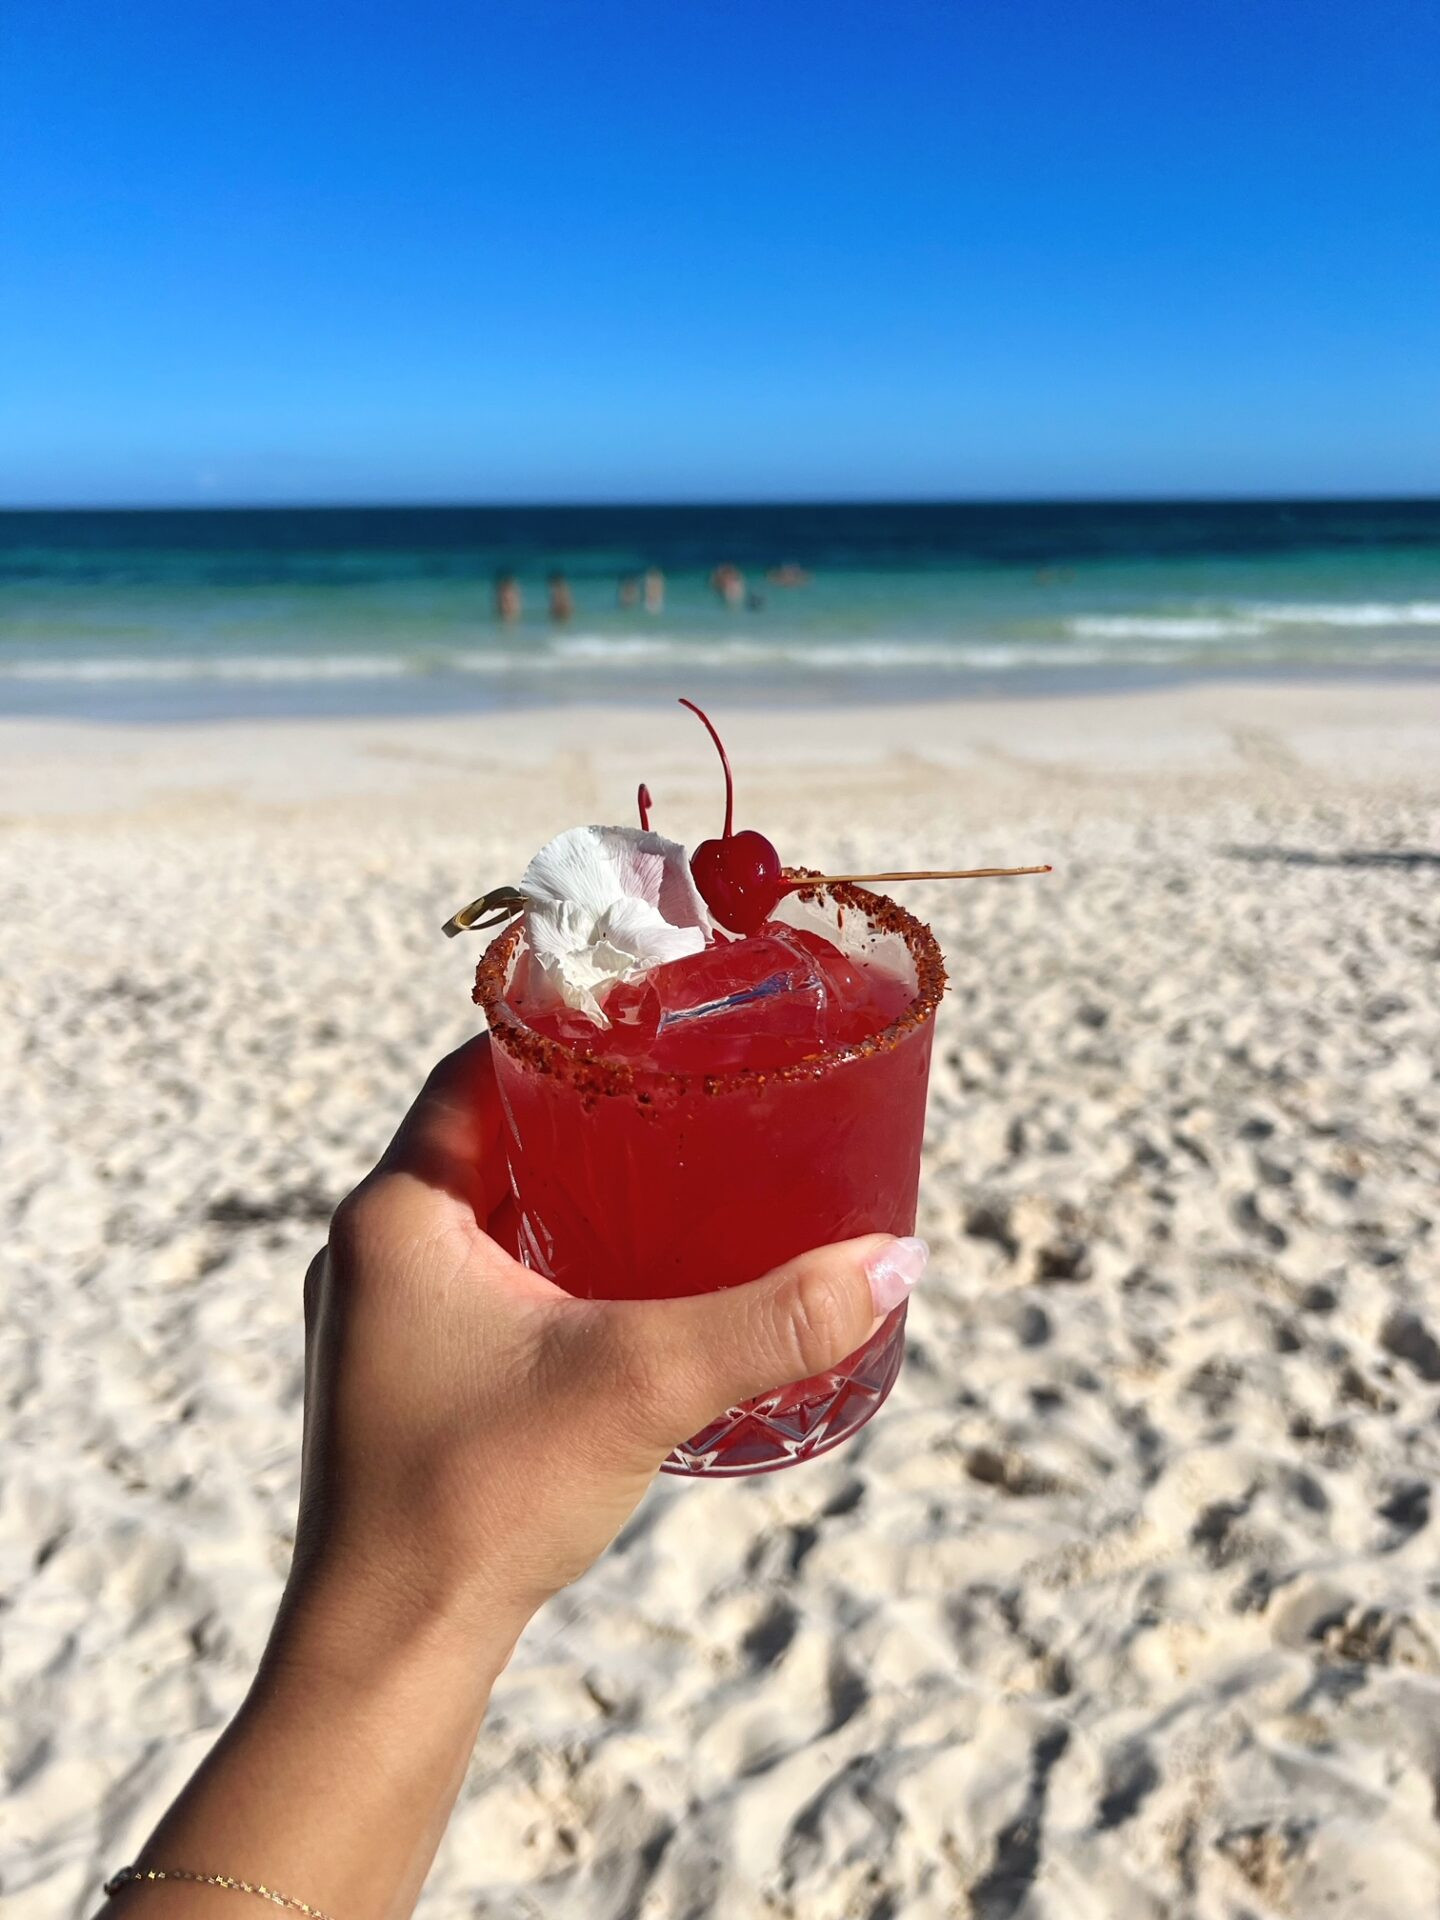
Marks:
<point>335,1780</point>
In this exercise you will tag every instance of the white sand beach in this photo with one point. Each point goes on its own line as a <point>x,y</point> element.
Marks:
<point>1126,1607</point>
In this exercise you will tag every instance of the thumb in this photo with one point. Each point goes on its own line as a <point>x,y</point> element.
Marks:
<point>703,1354</point>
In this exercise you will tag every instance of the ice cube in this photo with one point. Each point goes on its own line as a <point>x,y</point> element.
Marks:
<point>849,989</point>
<point>763,984</point>
<point>759,1002</point>
<point>765,1001</point>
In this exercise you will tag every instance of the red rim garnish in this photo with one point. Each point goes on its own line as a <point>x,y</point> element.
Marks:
<point>595,1078</point>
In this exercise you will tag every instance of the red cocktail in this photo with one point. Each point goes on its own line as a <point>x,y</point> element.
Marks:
<point>747,1104</point>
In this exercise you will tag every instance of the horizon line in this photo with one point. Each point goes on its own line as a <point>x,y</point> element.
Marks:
<point>729,502</point>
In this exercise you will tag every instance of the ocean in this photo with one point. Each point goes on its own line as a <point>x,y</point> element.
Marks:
<point>155,615</point>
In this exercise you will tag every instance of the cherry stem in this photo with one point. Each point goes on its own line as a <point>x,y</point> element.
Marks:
<point>865,879</point>
<point>724,761</point>
<point>644,802</point>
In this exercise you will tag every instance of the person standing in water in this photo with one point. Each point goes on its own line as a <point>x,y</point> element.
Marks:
<point>562,601</point>
<point>507,598</point>
<point>654,590</point>
<point>728,583</point>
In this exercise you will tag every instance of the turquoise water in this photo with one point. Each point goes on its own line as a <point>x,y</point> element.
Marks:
<point>157,615</point>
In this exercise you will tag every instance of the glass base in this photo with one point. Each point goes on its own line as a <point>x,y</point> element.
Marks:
<point>798,1422</point>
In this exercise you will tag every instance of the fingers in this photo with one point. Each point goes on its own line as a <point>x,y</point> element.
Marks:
<point>439,1199</point>
<point>313,1297</point>
<point>686,1361</point>
<point>314,1280</point>
<point>450,1140</point>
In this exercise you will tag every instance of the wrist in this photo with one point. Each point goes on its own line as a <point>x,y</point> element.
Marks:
<point>335,1779</point>
<point>367,1628</point>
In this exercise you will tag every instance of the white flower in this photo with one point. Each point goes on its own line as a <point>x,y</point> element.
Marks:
<point>608,904</point>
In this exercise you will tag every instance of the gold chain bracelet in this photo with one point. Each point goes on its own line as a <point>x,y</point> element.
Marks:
<point>129,1876</point>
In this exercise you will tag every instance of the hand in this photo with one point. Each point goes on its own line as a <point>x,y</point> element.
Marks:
<point>474,1435</point>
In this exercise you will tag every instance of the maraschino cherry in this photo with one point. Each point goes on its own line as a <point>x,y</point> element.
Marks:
<point>739,875</point>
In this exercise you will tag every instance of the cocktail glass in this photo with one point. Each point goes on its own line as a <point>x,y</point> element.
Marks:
<point>637,1184</point>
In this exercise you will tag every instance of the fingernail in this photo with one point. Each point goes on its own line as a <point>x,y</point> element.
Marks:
<point>893,1271</point>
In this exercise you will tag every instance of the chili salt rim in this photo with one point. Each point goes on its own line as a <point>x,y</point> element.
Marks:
<point>592,1077</point>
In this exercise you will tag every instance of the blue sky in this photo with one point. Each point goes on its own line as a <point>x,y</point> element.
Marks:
<point>708,249</point>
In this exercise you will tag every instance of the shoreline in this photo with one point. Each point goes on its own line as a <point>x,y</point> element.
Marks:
<point>415,695</point>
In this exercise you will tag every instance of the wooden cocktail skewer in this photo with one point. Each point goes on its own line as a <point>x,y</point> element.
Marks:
<point>875,879</point>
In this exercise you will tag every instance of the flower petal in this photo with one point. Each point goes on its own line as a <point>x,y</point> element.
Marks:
<point>632,927</point>
<point>608,904</point>
<point>575,869</point>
